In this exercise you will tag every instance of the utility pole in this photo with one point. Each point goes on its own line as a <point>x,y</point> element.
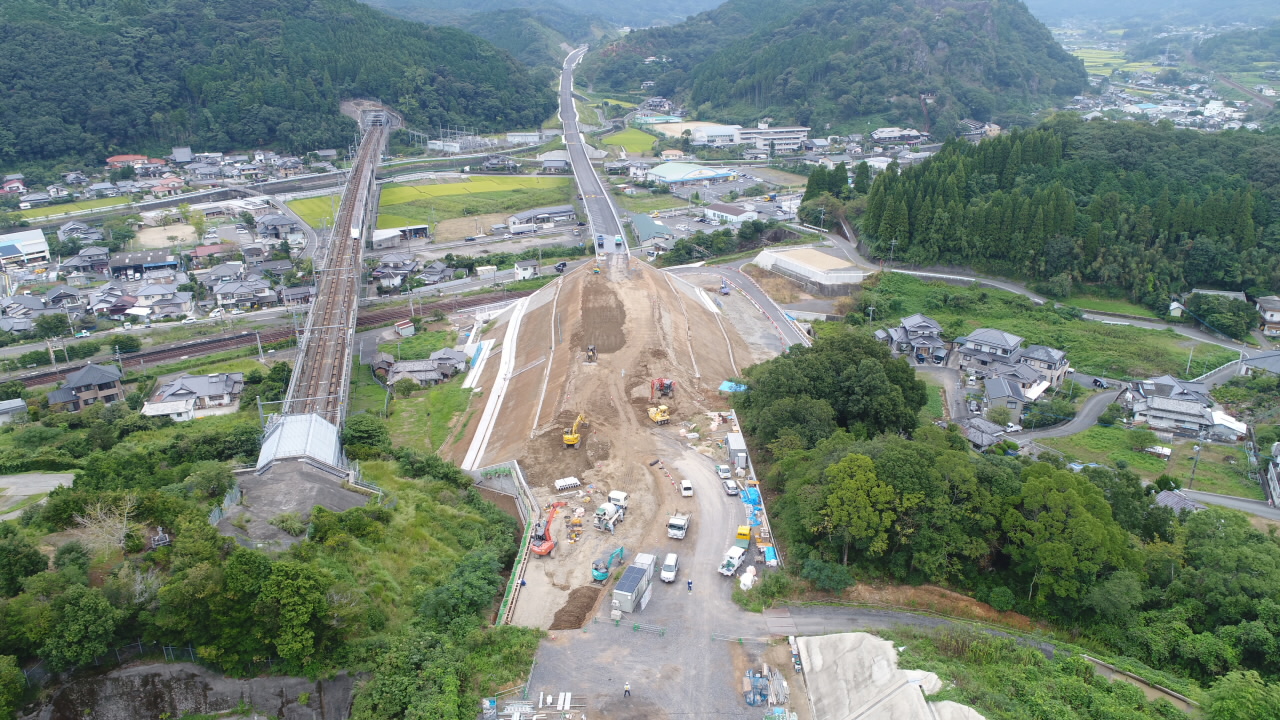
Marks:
<point>1189,356</point>
<point>1194,465</point>
<point>261,359</point>
<point>893,244</point>
<point>872,311</point>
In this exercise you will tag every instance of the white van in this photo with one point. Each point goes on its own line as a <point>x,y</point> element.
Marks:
<point>217,312</point>
<point>686,488</point>
<point>670,566</point>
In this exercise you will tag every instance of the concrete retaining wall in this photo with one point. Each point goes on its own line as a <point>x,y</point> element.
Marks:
<point>178,689</point>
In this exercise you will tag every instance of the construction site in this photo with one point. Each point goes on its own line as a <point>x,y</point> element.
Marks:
<point>606,347</point>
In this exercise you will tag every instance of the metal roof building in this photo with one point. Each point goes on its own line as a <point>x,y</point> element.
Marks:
<point>302,437</point>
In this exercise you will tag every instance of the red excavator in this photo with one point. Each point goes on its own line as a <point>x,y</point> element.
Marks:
<point>541,543</point>
<point>661,387</point>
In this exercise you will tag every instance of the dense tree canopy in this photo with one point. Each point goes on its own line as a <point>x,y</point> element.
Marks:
<point>90,78</point>
<point>830,62</point>
<point>1147,209</point>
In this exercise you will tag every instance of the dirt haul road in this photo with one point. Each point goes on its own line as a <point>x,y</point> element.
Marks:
<point>645,324</point>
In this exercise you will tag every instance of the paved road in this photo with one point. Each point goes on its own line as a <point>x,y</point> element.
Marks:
<point>603,216</point>
<point>790,333</point>
<point>1253,507</point>
<point>1085,418</point>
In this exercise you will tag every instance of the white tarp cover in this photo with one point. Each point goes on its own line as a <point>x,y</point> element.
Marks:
<point>857,675</point>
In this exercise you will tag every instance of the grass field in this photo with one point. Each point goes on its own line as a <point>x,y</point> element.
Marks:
<point>632,140</point>
<point>1114,351</point>
<point>366,394</point>
<point>419,346</point>
<point>422,420</point>
<point>1100,304</point>
<point>48,210</point>
<point>241,365</point>
<point>647,203</point>
<point>933,409</point>
<point>402,205</point>
<point>1221,468</point>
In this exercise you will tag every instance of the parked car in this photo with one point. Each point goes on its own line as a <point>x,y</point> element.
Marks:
<point>730,487</point>
<point>82,334</point>
<point>189,321</point>
<point>686,488</point>
<point>1100,383</point>
<point>1012,428</point>
<point>670,566</point>
<point>215,313</point>
<point>237,311</point>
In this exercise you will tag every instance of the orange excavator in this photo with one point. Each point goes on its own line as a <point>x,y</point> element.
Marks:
<point>541,543</point>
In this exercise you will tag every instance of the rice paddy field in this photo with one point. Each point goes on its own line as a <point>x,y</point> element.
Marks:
<point>50,210</point>
<point>1104,62</point>
<point>412,204</point>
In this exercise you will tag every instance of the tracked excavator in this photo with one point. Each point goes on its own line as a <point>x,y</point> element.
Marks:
<point>541,542</point>
<point>591,355</point>
<point>600,568</point>
<point>661,387</point>
<point>571,435</point>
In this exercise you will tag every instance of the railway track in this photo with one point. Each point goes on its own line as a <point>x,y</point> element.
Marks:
<point>206,346</point>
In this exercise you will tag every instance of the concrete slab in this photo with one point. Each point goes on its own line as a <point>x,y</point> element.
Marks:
<point>15,488</point>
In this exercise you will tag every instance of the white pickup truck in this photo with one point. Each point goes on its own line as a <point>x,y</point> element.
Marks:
<point>732,560</point>
<point>678,525</point>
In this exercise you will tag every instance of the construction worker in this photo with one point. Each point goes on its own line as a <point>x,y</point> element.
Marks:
<point>626,690</point>
<point>690,585</point>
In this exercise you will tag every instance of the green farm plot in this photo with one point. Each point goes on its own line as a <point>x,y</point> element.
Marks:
<point>402,205</point>
<point>316,211</point>
<point>51,210</point>
<point>632,140</point>
<point>1114,351</point>
<point>647,203</point>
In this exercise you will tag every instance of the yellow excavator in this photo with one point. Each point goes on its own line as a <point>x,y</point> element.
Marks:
<point>571,436</point>
<point>660,415</point>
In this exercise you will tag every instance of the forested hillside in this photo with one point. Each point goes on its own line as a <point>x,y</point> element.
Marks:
<point>858,500</point>
<point>1149,210</point>
<point>95,77</point>
<point>1183,13</point>
<point>653,12</point>
<point>532,31</point>
<point>833,62</point>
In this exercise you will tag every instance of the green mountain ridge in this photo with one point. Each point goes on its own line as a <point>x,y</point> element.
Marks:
<point>839,61</point>
<point>533,32</point>
<point>103,76</point>
<point>654,12</point>
<point>1187,11</point>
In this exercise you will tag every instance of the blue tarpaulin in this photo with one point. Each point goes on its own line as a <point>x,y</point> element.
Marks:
<point>728,386</point>
<point>770,554</point>
<point>751,496</point>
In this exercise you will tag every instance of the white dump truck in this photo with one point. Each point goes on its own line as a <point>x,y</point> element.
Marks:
<point>678,525</point>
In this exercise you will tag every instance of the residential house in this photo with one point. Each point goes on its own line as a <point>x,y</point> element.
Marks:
<point>423,372</point>
<point>149,295</point>
<point>670,155</point>
<point>1050,363</point>
<point>16,325</point>
<point>615,168</point>
<point>454,360</point>
<point>275,268</point>
<point>436,272</point>
<point>255,254</point>
<point>22,306</point>
<point>275,225</point>
<point>91,258</point>
<point>984,347</point>
<point>166,187</point>
<point>733,214</point>
<point>555,167</point>
<point>981,433</point>
<point>87,386</point>
<point>393,268</point>
<point>191,396</point>
<point>80,231</point>
<point>204,252</point>
<point>180,303</point>
<point>182,155</point>
<point>754,154</point>
<point>62,296</point>
<point>1165,386</point>
<point>500,163</point>
<point>77,279</point>
<point>135,264</point>
<point>223,273</point>
<point>1263,362</point>
<point>1182,417</point>
<point>1228,294</point>
<point>102,190</point>
<point>328,154</point>
<point>13,184</point>
<point>128,187</point>
<point>1269,308</point>
<point>1006,393</point>
<point>918,335</point>
<point>118,161</point>
<point>122,307</point>
<point>34,199</point>
<point>638,170</point>
<point>297,295</point>
<point>21,248</point>
<point>1178,502</point>
<point>543,215</point>
<point>896,135</point>
<point>57,192</point>
<point>11,410</point>
<point>75,177</point>
<point>526,269</point>
<point>245,294</point>
<point>165,276</point>
<point>381,364</point>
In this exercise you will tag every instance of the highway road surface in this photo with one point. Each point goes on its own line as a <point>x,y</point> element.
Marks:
<point>790,333</point>
<point>603,216</point>
<point>1261,508</point>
